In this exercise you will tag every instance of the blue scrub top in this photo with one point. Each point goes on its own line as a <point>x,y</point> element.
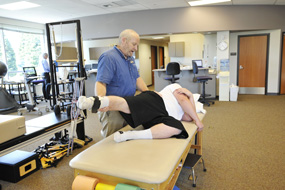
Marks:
<point>119,74</point>
<point>45,66</point>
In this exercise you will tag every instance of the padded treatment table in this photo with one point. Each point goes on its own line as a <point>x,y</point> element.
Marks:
<point>148,164</point>
<point>35,130</point>
<point>11,126</point>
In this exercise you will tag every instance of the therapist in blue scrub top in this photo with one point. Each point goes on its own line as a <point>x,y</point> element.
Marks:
<point>118,75</point>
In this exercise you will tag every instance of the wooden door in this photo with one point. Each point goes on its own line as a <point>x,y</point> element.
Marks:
<point>252,64</point>
<point>153,61</point>
<point>282,83</point>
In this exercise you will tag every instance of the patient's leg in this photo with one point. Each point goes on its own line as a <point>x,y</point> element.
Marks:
<point>112,103</point>
<point>118,104</point>
<point>188,105</point>
<point>159,131</point>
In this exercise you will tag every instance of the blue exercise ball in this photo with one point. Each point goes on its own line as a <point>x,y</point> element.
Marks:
<point>3,69</point>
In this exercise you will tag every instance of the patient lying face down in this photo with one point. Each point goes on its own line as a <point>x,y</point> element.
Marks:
<point>160,113</point>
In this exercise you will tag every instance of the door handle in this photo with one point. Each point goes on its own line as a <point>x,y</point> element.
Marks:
<point>240,67</point>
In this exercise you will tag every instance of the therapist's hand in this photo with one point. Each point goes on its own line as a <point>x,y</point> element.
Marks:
<point>105,109</point>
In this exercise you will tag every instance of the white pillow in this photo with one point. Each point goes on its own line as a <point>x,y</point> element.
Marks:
<point>198,105</point>
<point>196,97</point>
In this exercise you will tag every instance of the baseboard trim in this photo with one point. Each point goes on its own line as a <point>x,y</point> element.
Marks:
<point>273,94</point>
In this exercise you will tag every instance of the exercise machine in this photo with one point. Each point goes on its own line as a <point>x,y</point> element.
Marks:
<point>31,105</point>
<point>56,63</point>
<point>7,104</point>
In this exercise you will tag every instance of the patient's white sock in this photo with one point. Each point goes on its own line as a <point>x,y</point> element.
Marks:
<point>121,136</point>
<point>87,103</point>
<point>104,101</point>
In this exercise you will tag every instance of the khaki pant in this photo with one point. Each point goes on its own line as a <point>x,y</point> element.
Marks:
<point>111,122</point>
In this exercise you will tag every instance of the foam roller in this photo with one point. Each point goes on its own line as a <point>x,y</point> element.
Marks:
<point>121,186</point>
<point>102,186</point>
<point>84,183</point>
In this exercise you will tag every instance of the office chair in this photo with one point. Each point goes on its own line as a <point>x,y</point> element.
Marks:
<point>173,68</point>
<point>203,80</point>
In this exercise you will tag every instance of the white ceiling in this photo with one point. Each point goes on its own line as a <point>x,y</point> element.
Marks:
<point>60,10</point>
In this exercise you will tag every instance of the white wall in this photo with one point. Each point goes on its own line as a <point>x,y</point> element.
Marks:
<point>210,50</point>
<point>145,58</point>
<point>222,54</point>
<point>144,61</point>
<point>96,43</point>
<point>273,57</point>
<point>193,47</point>
<point>185,20</point>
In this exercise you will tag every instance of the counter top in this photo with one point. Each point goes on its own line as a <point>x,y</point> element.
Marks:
<point>187,68</point>
<point>92,71</point>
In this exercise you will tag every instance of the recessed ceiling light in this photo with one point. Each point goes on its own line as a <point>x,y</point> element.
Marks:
<point>205,2</point>
<point>18,5</point>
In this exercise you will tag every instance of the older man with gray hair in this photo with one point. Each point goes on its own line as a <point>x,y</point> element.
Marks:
<point>118,75</point>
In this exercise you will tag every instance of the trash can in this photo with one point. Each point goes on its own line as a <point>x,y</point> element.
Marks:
<point>233,92</point>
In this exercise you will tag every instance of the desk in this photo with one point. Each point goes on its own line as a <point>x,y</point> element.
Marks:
<point>186,81</point>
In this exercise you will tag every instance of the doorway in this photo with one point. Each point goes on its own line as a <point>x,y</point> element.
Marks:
<point>161,57</point>
<point>282,82</point>
<point>252,64</point>
<point>153,62</point>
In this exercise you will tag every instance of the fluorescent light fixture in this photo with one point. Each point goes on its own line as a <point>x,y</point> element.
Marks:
<point>158,37</point>
<point>18,5</point>
<point>205,2</point>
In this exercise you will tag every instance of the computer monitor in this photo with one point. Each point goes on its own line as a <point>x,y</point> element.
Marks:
<point>30,71</point>
<point>198,62</point>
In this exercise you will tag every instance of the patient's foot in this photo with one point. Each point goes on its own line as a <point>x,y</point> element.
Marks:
<point>88,103</point>
<point>120,136</point>
<point>85,103</point>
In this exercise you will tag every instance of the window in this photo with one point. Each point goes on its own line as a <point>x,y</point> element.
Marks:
<point>1,48</point>
<point>20,49</point>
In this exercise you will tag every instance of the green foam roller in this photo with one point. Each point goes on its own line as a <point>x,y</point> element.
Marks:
<point>121,186</point>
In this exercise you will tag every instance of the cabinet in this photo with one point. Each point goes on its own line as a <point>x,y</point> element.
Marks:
<point>176,49</point>
<point>224,86</point>
<point>96,52</point>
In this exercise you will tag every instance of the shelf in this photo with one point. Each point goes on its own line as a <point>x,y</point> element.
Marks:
<point>67,61</point>
<point>192,160</point>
